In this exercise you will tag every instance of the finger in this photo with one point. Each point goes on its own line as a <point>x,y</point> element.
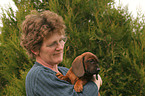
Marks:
<point>100,79</point>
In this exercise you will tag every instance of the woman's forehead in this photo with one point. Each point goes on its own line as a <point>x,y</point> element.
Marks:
<point>54,37</point>
<point>55,32</point>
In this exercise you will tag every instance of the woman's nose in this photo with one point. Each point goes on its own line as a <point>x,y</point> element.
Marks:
<point>59,46</point>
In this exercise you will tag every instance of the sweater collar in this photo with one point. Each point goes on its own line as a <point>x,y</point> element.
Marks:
<point>48,69</point>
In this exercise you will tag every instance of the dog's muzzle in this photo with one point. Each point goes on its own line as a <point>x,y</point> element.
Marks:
<point>98,70</point>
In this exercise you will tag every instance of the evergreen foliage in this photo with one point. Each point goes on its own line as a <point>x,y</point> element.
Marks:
<point>92,25</point>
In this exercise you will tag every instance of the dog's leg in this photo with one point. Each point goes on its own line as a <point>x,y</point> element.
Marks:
<point>62,77</point>
<point>79,85</point>
<point>59,75</point>
<point>99,94</point>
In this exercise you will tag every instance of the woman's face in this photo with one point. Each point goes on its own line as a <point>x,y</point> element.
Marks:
<point>51,51</point>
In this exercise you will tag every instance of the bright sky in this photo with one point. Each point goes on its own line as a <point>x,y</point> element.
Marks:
<point>134,6</point>
<point>5,5</point>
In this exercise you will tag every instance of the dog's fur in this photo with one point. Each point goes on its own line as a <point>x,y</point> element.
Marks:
<point>82,70</point>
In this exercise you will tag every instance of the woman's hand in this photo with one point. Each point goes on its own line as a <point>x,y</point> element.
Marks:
<point>98,82</point>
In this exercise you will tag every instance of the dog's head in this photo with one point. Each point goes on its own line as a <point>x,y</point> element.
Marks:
<point>87,63</point>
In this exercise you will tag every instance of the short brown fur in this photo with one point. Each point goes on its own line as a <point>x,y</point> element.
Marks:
<point>82,70</point>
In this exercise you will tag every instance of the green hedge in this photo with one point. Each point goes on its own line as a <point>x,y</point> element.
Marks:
<point>92,25</point>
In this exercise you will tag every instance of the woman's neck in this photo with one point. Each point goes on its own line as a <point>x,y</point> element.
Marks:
<point>53,67</point>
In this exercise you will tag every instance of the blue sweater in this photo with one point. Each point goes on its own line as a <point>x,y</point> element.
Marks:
<point>42,81</point>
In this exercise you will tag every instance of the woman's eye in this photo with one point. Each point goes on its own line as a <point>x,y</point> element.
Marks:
<point>51,44</point>
<point>63,39</point>
<point>55,43</point>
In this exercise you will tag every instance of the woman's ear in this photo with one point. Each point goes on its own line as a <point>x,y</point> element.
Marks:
<point>35,52</point>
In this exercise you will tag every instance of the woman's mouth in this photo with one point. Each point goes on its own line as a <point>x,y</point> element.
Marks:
<point>58,53</point>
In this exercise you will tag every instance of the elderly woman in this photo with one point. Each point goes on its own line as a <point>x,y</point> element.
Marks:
<point>44,37</point>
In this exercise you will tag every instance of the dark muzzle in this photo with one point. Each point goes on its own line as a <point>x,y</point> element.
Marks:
<point>98,70</point>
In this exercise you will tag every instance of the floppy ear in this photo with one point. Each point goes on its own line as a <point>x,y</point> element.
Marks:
<point>77,66</point>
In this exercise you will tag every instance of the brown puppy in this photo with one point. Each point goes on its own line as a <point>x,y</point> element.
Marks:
<point>82,70</point>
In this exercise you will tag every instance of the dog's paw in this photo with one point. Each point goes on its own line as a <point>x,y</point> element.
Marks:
<point>62,77</point>
<point>59,75</point>
<point>78,87</point>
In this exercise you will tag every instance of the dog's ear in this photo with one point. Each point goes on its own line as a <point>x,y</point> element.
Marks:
<point>77,66</point>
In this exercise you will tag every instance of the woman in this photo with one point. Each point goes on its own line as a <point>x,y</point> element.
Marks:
<point>44,37</point>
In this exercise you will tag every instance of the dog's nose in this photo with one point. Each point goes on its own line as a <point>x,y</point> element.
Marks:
<point>98,69</point>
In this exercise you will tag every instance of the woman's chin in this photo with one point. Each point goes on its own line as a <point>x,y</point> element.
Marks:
<point>59,60</point>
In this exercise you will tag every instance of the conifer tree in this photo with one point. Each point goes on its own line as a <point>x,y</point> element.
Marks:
<point>92,25</point>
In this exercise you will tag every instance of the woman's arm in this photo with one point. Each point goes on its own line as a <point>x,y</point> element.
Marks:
<point>41,82</point>
<point>50,85</point>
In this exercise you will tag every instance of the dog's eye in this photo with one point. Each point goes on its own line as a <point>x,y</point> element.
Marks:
<point>91,61</point>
